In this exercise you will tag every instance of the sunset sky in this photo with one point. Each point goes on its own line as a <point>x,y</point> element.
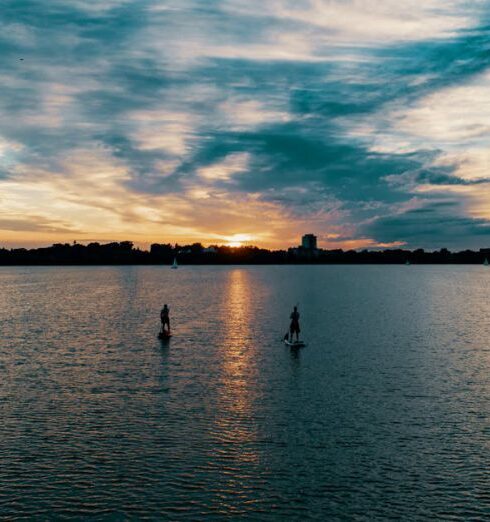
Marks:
<point>245,121</point>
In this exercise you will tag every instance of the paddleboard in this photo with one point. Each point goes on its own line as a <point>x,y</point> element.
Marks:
<point>295,344</point>
<point>164,336</point>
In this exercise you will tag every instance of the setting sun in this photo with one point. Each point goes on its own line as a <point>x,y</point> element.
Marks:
<point>237,240</point>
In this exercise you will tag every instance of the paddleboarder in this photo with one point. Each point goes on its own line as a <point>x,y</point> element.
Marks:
<point>165,319</point>
<point>294,326</point>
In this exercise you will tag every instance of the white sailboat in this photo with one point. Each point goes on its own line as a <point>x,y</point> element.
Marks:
<point>486,263</point>
<point>175,265</point>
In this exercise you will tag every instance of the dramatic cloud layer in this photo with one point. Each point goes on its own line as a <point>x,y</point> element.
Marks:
<point>365,122</point>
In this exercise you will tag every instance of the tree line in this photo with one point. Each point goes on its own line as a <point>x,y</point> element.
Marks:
<point>125,253</point>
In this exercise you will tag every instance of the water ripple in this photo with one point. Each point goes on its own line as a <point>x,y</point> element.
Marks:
<point>385,415</point>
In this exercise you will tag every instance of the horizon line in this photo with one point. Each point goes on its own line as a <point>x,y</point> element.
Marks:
<point>175,246</point>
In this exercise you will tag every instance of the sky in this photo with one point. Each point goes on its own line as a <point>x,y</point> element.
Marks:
<point>234,122</point>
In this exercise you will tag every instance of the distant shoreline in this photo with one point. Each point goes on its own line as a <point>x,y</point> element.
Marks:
<point>124,254</point>
<point>164,265</point>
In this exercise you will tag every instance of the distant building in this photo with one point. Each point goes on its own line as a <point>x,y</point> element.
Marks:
<point>308,242</point>
<point>307,250</point>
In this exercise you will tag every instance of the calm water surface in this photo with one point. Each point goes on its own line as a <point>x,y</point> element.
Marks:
<point>384,415</point>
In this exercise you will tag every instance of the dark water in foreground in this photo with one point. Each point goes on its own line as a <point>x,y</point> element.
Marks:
<point>384,415</point>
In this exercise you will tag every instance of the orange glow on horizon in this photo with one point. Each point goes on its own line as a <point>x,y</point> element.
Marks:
<point>10,239</point>
<point>238,240</point>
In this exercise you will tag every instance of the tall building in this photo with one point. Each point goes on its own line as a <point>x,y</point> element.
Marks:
<point>308,242</point>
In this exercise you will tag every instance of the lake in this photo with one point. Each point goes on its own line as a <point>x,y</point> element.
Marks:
<point>385,414</point>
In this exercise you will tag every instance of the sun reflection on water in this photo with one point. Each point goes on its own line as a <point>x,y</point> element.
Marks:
<point>234,423</point>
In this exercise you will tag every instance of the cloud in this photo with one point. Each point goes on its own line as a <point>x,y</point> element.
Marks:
<point>186,119</point>
<point>432,226</point>
<point>34,223</point>
<point>368,21</point>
